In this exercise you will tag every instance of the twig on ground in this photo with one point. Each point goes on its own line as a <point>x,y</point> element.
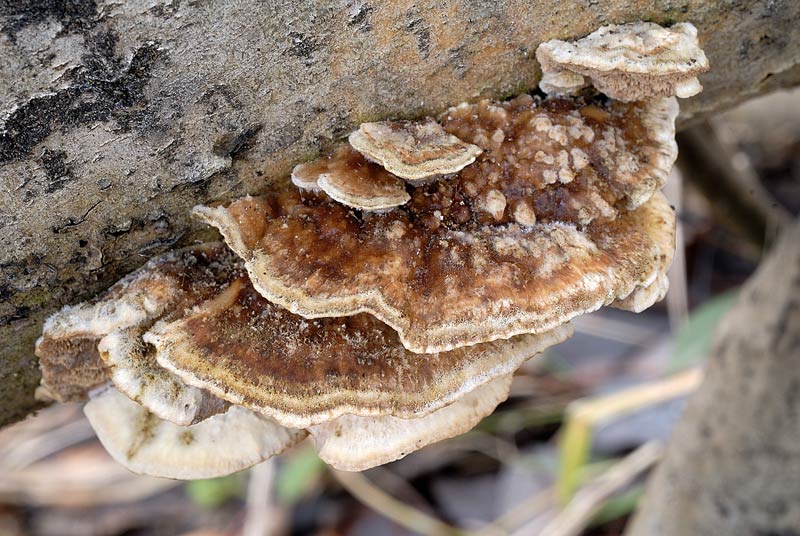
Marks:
<point>577,515</point>
<point>386,505</point>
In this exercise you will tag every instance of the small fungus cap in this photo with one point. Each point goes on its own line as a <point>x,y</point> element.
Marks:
<point>218,446</point>
<point>627,62</point>
<point>347,177</point>
<point>413,150</point>
<point>246,350</point>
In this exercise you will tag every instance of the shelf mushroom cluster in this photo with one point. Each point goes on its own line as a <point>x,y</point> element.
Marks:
<point>384,299</point>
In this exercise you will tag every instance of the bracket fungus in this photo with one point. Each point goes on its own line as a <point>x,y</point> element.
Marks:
<point>134,372</point>
<point>627,62</point>
<point>353,181</point>
<point>222,344</point>
<point>444,289</point>
<point>413,150</point>
<point>68,348</point>
<point>246,350</point>
<point>384,300</point>
<point>356,443</point>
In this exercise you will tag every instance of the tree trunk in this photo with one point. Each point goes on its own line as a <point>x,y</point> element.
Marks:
<point>733,463</point>
<point>117,117</point>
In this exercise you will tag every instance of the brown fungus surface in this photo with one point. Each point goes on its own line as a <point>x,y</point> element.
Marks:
<point>413,150</point>
<point>650,292</point>
<point>301,372</point>
<point>571,160</point>
<point>439,287</point>
<point>68,349</point>
<point>350,179</point>
<point>71,367</point>
<point>627,62</point>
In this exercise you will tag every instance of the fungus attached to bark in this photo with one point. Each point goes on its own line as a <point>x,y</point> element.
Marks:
<point>350,179</point>
<point>413,150</point>
<point>627,62</point>
<point>556,159</point>
<point>446,287</point>
<point>246,350</point>
<point>571,160</point>
<point>380,331</point>
<point>83,346</point>
<point>218,446</point>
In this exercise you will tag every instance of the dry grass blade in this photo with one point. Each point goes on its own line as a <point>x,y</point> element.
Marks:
<point>587,502</point>
<point>78,477</point>
<point>386,505</point>
<point>585,414</point>
<point>33,449</point>
<point>613,330</point>
<point>521,514</point>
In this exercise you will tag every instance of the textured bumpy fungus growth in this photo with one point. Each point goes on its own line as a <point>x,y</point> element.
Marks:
<point>83,346</point>
<point>350,179</point>
<point>627,62</point>
<point>573,160</point>
<point>357,443</point>
<point>413,150</point>
<point>218,446</point>
<point>443,288</point>
<point>246,350</point>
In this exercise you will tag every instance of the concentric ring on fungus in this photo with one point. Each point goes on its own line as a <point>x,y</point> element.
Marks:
<point>443,289</point>
<point>252,353</point>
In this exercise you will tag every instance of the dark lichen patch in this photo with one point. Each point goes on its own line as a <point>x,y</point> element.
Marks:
<point>19,372</point>
<point>74,15</point>
<point>166,10</point>
<point>57,169</point>
<point>359,17</point>
<point>231,144</point>
<point>99,93</point>
<point>421,31</point>
<point>18,314</point>
<point>302,46</point>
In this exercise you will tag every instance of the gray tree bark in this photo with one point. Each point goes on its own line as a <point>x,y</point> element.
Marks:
<point>733,463</point>
<point>117,117</point>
